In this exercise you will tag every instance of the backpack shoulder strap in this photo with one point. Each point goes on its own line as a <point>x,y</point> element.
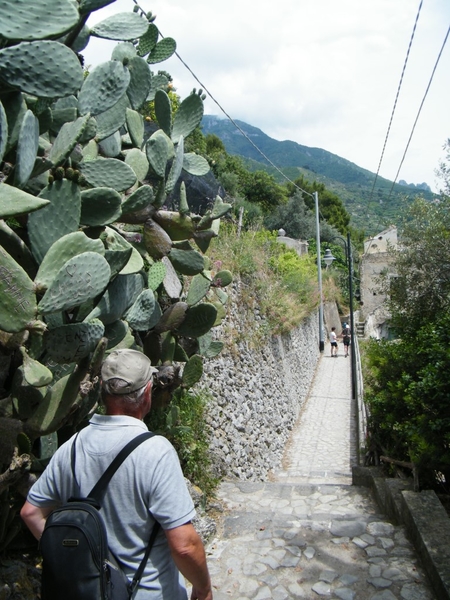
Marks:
<point>99,489</point>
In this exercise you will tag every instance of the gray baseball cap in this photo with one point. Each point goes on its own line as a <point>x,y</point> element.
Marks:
<point>132,366</point>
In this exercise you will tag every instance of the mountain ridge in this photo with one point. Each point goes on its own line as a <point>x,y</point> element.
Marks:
<point>353,184</point>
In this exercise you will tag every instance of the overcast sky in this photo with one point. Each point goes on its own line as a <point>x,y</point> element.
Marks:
<point>323,73</point>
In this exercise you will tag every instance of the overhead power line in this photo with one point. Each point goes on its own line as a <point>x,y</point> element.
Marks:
<point>202,85</point>
<point>420,107</point>
<point>396,100</point>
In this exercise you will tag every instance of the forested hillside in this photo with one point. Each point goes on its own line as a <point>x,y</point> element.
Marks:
<point>371,208</point>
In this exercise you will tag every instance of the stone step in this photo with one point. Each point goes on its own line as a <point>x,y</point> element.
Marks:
<point>288,540</point>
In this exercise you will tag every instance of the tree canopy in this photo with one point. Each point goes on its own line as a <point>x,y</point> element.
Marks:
<point>407,387</point>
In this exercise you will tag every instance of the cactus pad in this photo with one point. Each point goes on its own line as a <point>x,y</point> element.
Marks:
<point>222,278</point>
<point>117,245</point>
<point>66,140</point>
<point>25,67</point>
<point>16,248</point>
<point>58,218</point>
<point>111,146</point>
<point>111,120</point>
<point>61,251</point>
<point>171,282</point>
<point>145,312</point>
<point>172,317</point>
<point>102,87</point>
<point>162,51</point>
<point>138,200</point>
<point>187,117</point>
<point>16,202</point>
<point>159,150</point>
<point>124,50</point>
<point>140,82</point>
<point>195,164</point>
<point>100,206</point>
<point>193,371</point>
<point>156,275</point>
<point>18,308</point>
<point>15,108</point>
<point>199,287</point>
<point>148,41</point>
<point>115,333</point>
<point>82,278</point>
<point>163,111</point>
<point>108,172</point>
<point>71,343</point>
<point>156,240</point>
<point>177,166</point>
<point>3,131</point>
<point>35,373</point>
<point>199,320</point>
<point>135,125</point>
<point>178,227</point>
<point>123,27</point>
<point>23,20</point>
<point>137,160</point>
<point>87,6</point>
<point>27,147</point>
<point>119,296</point>
<point>187,262</point>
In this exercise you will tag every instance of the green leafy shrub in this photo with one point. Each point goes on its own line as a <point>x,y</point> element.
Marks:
<point>283,284</point>
<point>183,423</point>
<point>407,391</point>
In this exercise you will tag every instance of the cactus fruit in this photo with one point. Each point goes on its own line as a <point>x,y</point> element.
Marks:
<point>222,278</point>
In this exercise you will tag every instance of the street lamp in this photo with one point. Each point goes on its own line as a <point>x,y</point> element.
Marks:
<point>319,274</point>
<point>328,259</point>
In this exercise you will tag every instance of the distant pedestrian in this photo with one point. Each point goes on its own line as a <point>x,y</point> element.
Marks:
<point>346,338</point>
<point>333,342</point>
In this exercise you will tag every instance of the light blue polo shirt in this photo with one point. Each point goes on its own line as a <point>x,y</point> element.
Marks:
<point>149,485</point>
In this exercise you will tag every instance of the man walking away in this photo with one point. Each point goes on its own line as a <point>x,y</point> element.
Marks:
<point>149,486</point>
<point>346,338</point>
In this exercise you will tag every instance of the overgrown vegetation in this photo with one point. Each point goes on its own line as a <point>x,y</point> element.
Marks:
<point>282,283</point>
<point>407,385</point>
<point>183,423</point>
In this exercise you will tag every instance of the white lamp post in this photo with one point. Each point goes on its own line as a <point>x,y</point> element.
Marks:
<point>319,275</point>
<point>328,258</point>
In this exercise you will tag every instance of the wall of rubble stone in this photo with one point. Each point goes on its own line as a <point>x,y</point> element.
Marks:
<point>257,388</point>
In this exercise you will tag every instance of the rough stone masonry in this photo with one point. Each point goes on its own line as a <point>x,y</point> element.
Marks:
<point>258,389</point>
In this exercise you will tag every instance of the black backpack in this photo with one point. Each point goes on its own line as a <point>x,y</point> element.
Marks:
<point>77,563</point>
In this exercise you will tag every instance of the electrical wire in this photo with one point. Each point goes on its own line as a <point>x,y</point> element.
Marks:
<point>392,118</point>
<point>389,126</point>
<point>396,100</point>
<point>237,126</point>
<point>416,119</point>
<point>420,108</point>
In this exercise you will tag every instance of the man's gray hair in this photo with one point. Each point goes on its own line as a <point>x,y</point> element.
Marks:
<point>114,386</point>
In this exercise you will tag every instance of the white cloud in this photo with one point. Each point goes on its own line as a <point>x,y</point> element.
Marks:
<point>319,72</point>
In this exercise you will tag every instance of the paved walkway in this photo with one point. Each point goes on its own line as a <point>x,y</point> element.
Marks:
<point>308,533</point>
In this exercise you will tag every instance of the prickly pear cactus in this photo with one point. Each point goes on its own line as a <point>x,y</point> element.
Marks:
<point>89,259</point>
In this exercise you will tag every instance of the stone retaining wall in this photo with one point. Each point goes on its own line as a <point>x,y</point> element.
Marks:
<point>257,390</point>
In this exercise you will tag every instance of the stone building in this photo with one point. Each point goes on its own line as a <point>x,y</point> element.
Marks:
<point>375,262</point>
